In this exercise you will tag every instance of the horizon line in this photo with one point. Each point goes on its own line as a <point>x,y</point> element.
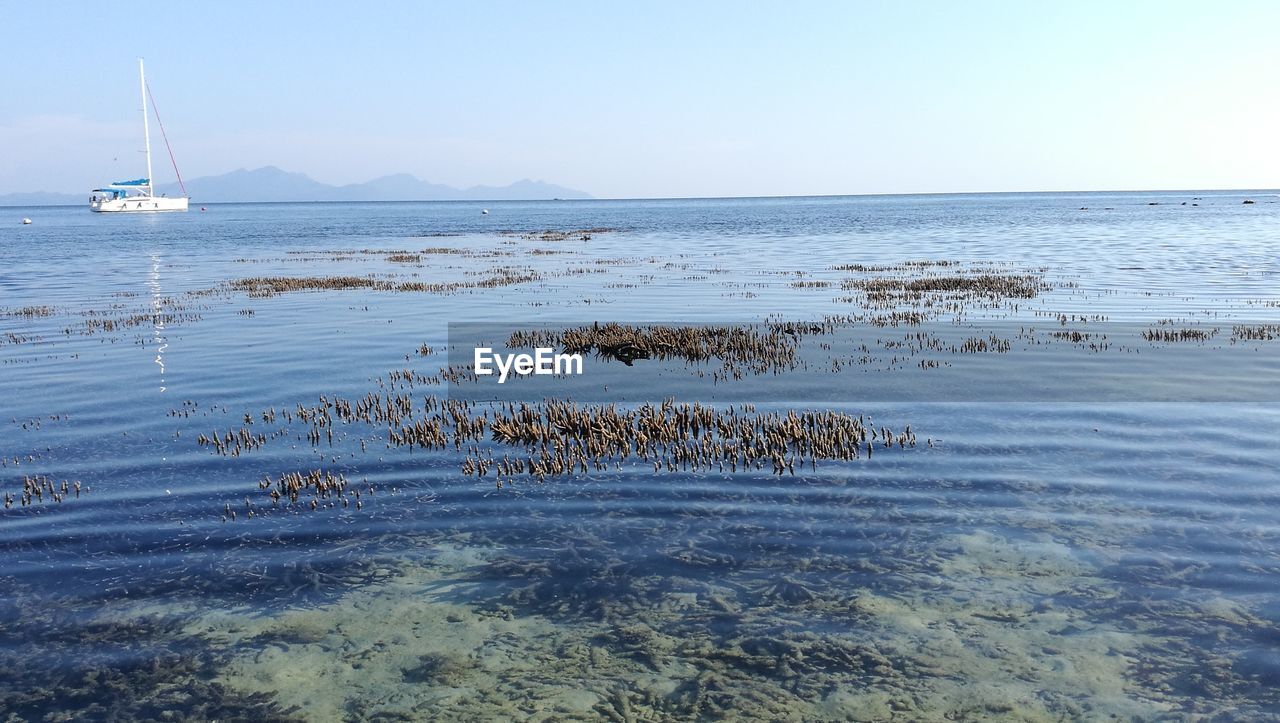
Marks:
<point>882,194</point>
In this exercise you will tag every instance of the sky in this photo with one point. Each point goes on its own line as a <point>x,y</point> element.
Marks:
<point>655,99</point>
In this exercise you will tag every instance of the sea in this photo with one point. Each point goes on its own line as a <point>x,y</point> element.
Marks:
<point>1073,512</point>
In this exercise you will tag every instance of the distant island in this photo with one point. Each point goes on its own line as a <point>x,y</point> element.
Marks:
<point>273,184</point>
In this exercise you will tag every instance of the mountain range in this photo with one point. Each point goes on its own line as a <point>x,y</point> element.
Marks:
<point>273,184</point>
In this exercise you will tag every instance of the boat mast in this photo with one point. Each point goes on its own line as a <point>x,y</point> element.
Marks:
<point>146,133</point>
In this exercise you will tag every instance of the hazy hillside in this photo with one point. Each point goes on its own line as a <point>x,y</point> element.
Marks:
<point>273,184</point>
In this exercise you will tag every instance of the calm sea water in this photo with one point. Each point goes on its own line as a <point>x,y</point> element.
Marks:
<point>1033,560</point>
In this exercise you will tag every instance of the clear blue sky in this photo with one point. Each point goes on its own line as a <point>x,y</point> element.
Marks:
<point>655,99</point>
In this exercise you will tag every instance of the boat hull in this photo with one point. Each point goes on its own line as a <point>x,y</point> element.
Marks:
<point>139,204</point>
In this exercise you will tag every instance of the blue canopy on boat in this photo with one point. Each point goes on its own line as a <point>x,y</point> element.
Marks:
<point>135,182</point>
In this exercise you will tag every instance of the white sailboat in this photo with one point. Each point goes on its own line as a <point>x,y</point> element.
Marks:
<point>138,195</point>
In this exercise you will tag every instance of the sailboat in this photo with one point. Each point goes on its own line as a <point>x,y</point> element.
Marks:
<point>138,195</point>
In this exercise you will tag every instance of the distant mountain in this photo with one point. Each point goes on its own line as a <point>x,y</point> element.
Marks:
<point>263,184</point>
<point>41,198</point>
<point>273,184</point>
<point>398,187</point>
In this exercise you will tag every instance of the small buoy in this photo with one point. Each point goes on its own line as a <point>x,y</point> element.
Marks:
<point>484,211</point>
<point>27,221</point>
<point>202,208</point>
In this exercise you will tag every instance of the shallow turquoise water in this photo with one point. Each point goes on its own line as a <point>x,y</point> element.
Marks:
<point>1037,559</point>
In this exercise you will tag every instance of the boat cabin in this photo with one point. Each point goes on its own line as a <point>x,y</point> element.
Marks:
<point>99,195</point>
